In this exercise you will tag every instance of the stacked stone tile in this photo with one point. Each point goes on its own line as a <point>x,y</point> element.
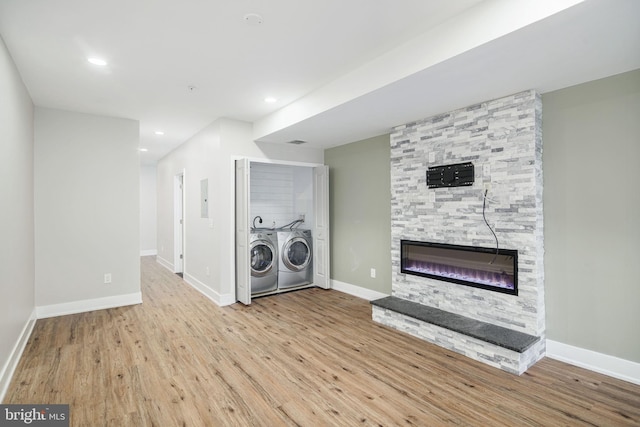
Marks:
<point>503,139</point>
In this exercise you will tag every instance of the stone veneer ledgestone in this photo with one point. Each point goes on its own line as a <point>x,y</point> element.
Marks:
<point>503,139</point>
<point>494,355</point>
<point>486,332</point>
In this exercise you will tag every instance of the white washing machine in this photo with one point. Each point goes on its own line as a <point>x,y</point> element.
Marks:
<point>263,250</point>
<point>295,267</point>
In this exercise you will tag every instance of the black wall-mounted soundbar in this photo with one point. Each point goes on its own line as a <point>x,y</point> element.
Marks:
<point>456,175</point>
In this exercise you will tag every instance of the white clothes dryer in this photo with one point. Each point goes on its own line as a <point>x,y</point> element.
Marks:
<point>295,267</point>
<point>263,251</point>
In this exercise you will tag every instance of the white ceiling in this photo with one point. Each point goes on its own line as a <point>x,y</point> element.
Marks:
<point>317,58</point>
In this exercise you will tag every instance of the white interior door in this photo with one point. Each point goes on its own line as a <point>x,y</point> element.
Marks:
<point>243,265</point>
<point>178,226</point>
<point>321,251</point>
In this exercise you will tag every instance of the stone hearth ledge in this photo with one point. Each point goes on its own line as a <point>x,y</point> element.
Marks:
<point>503,337</point>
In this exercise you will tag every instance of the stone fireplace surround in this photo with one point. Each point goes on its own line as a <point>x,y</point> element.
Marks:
<point>503,138</point>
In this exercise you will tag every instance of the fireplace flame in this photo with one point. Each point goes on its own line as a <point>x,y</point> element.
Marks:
<point>496,279</point>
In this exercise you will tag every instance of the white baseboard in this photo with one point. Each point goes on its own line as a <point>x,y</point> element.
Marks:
<point>16,353</point>
<point>602,363</point>
<point>166,264</point>
<point>357,291</point>
<point>227,299</point>
<point>82,306</point>
<point>219,299</point>
<point>149,252</point>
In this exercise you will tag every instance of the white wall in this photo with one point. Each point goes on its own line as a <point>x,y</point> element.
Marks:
<point>303,196</point>
<point>148,211</point>
<point>271,194</point>
<point>17,303</point>
<point>280,194</point>
<point>209,242</point>
<point>87,207</point>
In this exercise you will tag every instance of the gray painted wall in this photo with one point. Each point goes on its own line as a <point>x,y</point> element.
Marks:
<point>87,206</point>
<point>591,164</point>
<point>17,262</point>
<point>360,213</point>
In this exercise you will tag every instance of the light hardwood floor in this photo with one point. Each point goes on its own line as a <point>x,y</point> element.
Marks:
<point>306,358</point>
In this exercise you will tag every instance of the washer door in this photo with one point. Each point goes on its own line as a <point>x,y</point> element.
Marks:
<point>296,254</point>
<point>262,257</point>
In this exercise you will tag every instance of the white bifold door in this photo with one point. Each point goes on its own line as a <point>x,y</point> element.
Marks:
<point>321,227</point>
<point>321,259</point>
<point>243,261</point>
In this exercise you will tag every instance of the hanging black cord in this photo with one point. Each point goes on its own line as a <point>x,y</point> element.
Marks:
<point>484,203</point>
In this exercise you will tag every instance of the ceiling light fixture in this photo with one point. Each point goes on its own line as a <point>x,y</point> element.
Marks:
<point>270,100</point>
<point>253,19</point>
<point>143,149</point>
<point>97,61</point>
<point>159,132</point>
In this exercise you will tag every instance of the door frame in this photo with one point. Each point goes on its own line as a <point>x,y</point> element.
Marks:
<point>179,222</point>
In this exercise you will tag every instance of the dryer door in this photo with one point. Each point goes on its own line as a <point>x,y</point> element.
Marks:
<point>296,254</point>
<point>262,258</point>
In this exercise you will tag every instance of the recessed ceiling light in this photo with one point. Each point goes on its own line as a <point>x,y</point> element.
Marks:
<point>143,149</point>
<point>159,132</point>
<point>97,61</point>
<point>270,100</point>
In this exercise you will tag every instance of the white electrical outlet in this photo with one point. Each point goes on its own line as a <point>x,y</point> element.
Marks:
<point>301,217</point>
<point>107,278</point>
<point>486,170</point>
<point>373,273</point>
<point>487,186</point>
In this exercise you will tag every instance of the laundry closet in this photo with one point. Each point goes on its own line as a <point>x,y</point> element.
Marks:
<point>282,228</point>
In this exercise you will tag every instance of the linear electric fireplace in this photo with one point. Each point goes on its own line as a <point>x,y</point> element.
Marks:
<point>487,268</point>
